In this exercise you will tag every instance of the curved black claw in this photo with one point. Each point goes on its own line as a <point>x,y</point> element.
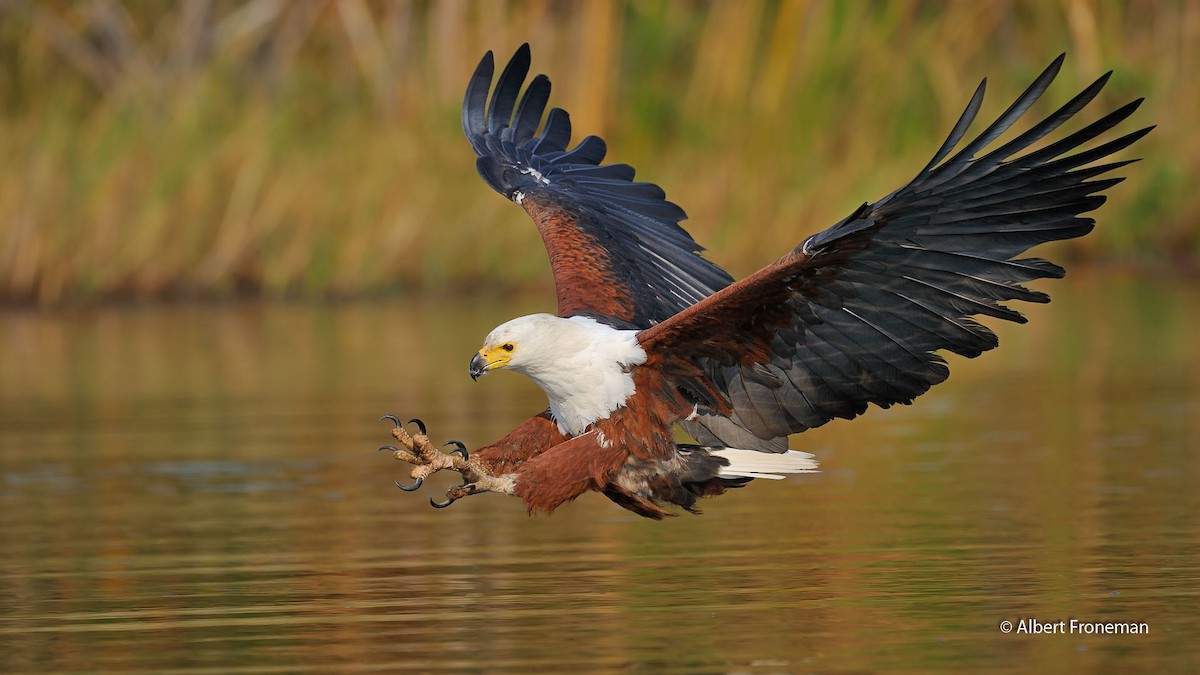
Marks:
<point>459,448</point>
<point>472,489</point>
<point>411,488</point>
<point>395,420</point>
<point>419,423</point>
<point>389,448</point>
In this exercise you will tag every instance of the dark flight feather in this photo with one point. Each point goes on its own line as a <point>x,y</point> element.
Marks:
<point>857,314</point>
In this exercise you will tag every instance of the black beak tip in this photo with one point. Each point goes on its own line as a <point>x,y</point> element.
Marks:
<point>478,367</point>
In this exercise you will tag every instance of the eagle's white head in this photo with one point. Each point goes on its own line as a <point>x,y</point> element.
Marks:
<point>581,364</point>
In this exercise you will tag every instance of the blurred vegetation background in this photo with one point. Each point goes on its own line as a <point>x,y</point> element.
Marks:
<point>308,148</point>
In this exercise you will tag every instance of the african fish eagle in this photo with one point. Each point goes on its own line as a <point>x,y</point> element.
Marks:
<point>649,334</point>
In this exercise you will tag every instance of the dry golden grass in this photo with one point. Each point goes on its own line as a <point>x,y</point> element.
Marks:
<point>313,149</point>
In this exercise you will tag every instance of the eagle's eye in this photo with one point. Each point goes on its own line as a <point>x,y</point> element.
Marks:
<point>507,346</point>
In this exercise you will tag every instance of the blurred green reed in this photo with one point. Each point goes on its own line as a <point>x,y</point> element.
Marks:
<point>313,149</point>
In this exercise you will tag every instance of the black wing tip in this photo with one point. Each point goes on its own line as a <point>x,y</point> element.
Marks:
<point>520,61</point>
<point>1048,75</point>
<point>523,54</point>
<point>1054,68</point>
<point>1050,270</point>
<point>1135,136</point>
<point>485,69</point>
<point>487,64</point>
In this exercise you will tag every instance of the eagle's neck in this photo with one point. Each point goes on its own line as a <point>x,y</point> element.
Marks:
<point>584,368</point>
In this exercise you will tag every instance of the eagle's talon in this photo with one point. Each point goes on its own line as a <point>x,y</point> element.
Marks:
<point>428,460</point>
<point>459,448</point>
<point>414,487</point>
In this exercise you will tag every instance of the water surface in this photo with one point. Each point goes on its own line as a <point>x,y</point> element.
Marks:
<point>197,489</point>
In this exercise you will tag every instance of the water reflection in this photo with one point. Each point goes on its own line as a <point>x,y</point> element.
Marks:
<point>197,488</point>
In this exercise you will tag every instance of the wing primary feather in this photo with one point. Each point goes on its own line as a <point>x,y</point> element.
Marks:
<point>474,120</point>
<point>1017,109</point>
<point>951,169</point>
<point>1003,288</point>
<point>1001,182</point>
<point>556,134</point>
<point>529,112</point>
<point>960,127</point>
<point>1098,152</point>
<point>504,98</point>
<point>998,289</point>
<point>1086,134</point>
<point>1055,120</point>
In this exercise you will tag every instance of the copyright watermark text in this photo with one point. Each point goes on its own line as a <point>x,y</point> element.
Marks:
<point>1032,626</point>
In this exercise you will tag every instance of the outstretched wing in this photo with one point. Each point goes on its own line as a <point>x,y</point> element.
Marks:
<point>856,313</point>
<point>616,248</point>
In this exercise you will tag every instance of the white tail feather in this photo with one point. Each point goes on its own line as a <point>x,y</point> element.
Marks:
<point>755,464</point>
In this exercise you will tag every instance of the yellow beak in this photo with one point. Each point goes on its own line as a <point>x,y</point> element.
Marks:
<point>487,359</point>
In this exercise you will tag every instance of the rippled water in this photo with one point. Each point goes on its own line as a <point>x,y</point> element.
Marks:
<point>197,489</point>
